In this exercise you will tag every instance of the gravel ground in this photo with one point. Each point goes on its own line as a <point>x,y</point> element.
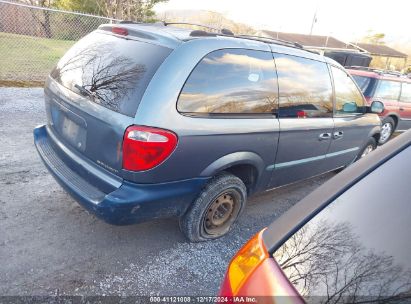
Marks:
<point>49,245</point>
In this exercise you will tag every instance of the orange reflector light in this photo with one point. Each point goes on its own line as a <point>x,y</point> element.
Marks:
<point>246,261</point>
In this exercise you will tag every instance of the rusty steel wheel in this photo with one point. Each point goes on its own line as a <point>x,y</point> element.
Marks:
<point>216,208</point>
<point>219,216</point>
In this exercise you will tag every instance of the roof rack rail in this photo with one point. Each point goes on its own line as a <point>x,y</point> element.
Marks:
<point>394,73</point>
<point>358,67</point>
<point>129,22</point>
<point>268,39</point>
<point>375,70</point>
<point>227,33</point>
<point>223,31</point>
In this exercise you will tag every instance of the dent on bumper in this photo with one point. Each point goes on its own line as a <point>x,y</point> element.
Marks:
<point>130,203</point>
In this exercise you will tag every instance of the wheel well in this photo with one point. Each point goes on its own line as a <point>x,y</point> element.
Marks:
<point>247,173</point>
<point>377,137</point>
<point>395,118</point>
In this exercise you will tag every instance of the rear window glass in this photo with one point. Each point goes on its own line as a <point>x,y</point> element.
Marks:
<point>110,71</point>
<point>388,90</point>
<point>362,82</point>
<point>233,81</point>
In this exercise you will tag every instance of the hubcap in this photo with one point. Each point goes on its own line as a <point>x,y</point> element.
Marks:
<point>367,150</point>
<point>386,131</point>
<point>219,215</point>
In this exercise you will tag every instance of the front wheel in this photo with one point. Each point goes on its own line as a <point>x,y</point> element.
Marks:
<point>215,210</point>
<point>369,147</point>
<point>387,128</point>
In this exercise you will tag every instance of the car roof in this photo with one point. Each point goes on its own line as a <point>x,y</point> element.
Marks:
<point>379,75</point>
<point>297,216</point>
<point>172,37</point>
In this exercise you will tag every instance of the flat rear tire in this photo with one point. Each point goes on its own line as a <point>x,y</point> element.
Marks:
<point>215,210</point>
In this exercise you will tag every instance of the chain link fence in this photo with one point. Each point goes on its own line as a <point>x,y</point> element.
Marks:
<point>32,39</point>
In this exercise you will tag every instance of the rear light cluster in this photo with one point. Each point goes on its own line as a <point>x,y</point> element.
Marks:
<point>243,265</point>
<point>146,147</point>
<point>301,114</point>
<point>119,31</point>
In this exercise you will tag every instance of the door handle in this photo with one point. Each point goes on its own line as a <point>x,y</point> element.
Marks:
<point>401,109</point>
<point>324,136</point>
<point>338,135</point>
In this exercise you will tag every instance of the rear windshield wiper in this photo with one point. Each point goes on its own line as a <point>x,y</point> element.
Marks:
<point>83,91</point>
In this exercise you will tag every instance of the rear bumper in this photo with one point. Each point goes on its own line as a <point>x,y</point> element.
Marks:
<point>126,203</point>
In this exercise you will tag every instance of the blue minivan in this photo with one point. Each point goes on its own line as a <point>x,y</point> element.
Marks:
<point>149,121</point>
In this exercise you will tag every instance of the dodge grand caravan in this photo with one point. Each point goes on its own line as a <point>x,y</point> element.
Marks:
<point>153,121</point>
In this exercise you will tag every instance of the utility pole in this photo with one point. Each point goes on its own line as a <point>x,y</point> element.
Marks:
<point>314,21</point>
<point>314,18</point>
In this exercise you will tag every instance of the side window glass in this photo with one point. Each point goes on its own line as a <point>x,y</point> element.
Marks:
<point>348,99</point>
<point>362,81</point>
<point>304,86</point>
<point>388,90</point>
<point>234,81</point>
<point>406,92</point>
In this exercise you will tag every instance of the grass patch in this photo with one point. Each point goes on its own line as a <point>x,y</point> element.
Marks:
<point>26,60</point>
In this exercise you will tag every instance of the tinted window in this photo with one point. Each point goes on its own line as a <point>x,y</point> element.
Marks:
<point>305,87</point>
<point>348,99</point>
<point>231,81</point>
<point>115,71</point>
<point>359,245</point>
<point>362,82</point>
<point>406,92</point>
<point>388,90</point>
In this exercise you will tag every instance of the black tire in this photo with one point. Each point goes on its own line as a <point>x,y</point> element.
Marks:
<point>389,124</point>
<point>195,223</point>
<point>371,142</point>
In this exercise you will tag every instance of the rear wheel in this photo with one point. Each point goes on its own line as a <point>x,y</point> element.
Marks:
<point>215,210</point>
<point>387,128</point>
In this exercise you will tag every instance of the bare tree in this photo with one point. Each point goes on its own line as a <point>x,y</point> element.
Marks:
<point>328,259</point>
<point>44,21</point>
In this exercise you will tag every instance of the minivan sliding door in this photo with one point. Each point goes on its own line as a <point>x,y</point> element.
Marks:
<point>305,117</point>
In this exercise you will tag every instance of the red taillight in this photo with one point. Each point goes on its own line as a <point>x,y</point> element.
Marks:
<point>301,114</point>
<point>119,31</point>
<point>145,147</point>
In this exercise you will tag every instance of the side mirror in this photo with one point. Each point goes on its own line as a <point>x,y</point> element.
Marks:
<point>377,107</point>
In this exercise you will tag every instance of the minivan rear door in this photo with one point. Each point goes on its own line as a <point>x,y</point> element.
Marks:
<point>94,91</point>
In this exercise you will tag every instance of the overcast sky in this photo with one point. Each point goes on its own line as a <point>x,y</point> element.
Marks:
<point>346,19</point>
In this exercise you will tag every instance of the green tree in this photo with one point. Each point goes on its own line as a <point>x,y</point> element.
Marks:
<point>84,6</point>
<point>374,38</point>
<point>134,10</point>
